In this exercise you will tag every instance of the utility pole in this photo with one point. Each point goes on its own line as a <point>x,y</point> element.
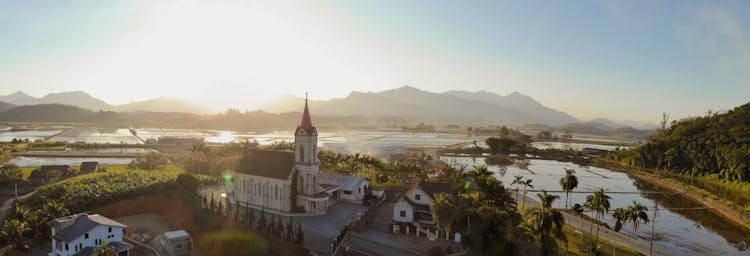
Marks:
<point>15,185</point>
<point>653,223</point>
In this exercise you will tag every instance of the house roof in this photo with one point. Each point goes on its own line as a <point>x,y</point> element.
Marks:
<point>88,166</point>
<point>61,167</point>
<point>434,188</point>
<point>176,234</point>
<point>431,188</point>
<point>81,223</point>
<point>266,163</point>
<point>344,182</point>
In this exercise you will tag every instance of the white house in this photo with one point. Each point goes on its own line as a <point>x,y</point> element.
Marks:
<point>80,234</point>
<point>344,187</point>
<point>265,179</point>
<point>412,212</point>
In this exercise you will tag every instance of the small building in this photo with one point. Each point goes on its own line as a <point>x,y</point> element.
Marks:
<point>412,213</point>
<point>176,243</point>
<point>49,173</point>
<point>89,167</point>
<point>79,234</point>
<point>344,187</point>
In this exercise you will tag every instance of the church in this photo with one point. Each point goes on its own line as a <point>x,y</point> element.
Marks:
<point>283,182</point>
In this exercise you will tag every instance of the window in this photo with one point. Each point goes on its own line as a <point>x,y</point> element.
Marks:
<point>66,247</point>
<point>86,236</point>
<point>110,229</point>
<point>178,245</point>
<point>417,197</point>
<point>403,213</point>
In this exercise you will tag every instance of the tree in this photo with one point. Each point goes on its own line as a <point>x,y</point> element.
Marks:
<point>637,212</point>
<point>546,224</point>
<point>599,204</point>
<point>262,221</point>
<point>14,232</point>
<point>299,239</point>
<point>501,145</point>
<point>289,230</point>
<point>105,250</point>
<point>620,215</point>
<point>526,185</point>
<point>592,248</point>
<point>518,181</point>
<point>444,211</point>
<point>568,183</point>
<point>250,215</point>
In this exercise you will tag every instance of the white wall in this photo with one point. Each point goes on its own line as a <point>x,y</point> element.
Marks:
<point>100,232</point>
<point>246,191</point>
<point>424,199</point>
<point>403,206</point>
<point>356,195</point>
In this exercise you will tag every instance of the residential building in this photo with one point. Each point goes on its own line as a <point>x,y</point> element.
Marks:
<point>344,187</point>
<point>412,213</point>
<point>176,243</point>
<point>80,234</point>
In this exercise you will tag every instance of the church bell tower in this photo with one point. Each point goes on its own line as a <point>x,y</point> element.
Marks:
<point>306,140</point>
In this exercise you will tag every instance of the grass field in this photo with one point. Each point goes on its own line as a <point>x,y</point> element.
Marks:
<point>575,244</point>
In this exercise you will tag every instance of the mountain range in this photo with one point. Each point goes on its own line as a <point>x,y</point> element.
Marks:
<point>86,101</point>
<point>405,103</point>
<point>452,106</point>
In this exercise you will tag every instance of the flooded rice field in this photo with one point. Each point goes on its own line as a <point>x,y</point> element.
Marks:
<point>27,135</point>
<point>681,225</point>
<point>32,161</point>
<point>92,135</point>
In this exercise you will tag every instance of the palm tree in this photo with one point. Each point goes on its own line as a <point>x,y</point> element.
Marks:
<point>105,250</point>
<point>526,185</point>
<point>637,212</point>
<point>620,215</point>
<point>546,224</point>
<point>518,179</point>
<point>599,204</point>
<point>444,211</point>
<point>592,248</point>
<point>568,183</point>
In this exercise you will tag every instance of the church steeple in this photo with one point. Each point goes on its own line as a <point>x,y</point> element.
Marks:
<point>306,123</point>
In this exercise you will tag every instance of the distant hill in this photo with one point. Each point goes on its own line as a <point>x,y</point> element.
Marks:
<point>84,100</point>
<point>164,105</point>
<point>5,106</point>
<point>717,144</point>
<point>520,103</point>
<point>54,113</point>
<point>414,104</point>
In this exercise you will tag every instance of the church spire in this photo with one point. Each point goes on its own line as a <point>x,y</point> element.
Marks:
<point>306,123</point>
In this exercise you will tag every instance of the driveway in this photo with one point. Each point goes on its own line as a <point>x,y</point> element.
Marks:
<point>320,230</point>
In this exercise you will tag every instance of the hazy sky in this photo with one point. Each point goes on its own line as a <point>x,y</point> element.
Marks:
<point>626,60</point>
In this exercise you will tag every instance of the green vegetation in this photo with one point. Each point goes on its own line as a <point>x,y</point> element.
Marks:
<point>231,242</point>
<point>482,208</point>
<point>395,174</point>
<point>713,145</point>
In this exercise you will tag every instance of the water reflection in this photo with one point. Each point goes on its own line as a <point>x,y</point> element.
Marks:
<point>686,232</point>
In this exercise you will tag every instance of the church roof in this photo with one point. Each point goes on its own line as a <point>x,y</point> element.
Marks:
<point>266,163</point>
<point>306,123</point>
<point>343,181</point>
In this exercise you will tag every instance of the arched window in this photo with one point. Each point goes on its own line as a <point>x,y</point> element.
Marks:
<point>300,186</point>
<point>276,193</point>
<point>301,153</point>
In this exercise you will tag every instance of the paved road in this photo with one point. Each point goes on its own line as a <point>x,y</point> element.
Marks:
<point>620,238</point>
